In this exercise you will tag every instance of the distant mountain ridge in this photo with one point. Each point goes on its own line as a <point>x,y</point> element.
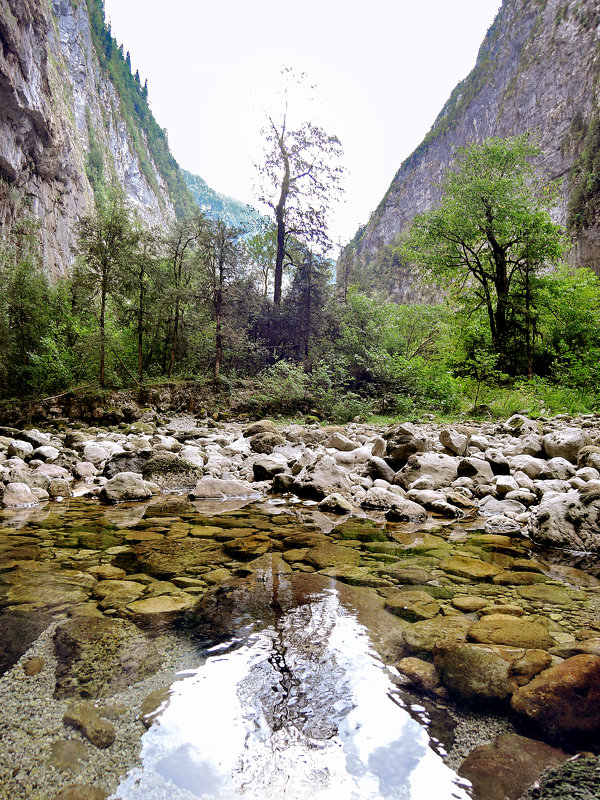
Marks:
<point>538,71</point>
<point>220,206</point>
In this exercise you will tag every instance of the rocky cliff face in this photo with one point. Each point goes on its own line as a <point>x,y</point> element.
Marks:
<point>537,70</point>
<point>57,106</point>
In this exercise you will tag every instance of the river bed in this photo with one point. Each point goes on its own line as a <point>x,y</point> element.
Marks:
<point>257,657</point>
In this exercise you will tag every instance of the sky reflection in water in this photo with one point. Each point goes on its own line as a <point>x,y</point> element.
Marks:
<point>301,709</point>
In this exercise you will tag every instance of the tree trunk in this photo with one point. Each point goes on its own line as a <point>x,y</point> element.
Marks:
<point>103,293</point>
<point>218,305</point>
<point>174,339</point>
<point>140,326</point>
<point>308,306</point>
<point>280,220</point>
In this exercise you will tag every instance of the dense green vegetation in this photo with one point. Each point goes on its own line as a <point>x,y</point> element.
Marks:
<point>195,303</point>
<point>145,133</point>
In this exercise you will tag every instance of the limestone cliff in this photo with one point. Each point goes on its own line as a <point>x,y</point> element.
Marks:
<point>537,70</point>
<point>66,123</point>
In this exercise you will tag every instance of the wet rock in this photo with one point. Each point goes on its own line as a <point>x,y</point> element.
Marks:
<point>442,469</point>
<point>220,489</point>
<point>164,607</point>
<point>544,593</point>
<point>579,776</point>
<point>175,557</point>
<point>486,672</point>
<point>422,637</point>
<point>105,572</point>
<point>125,486</point>
<point>81,791</point>
<point>565,443</point>
<point>84,717</point>
<point>564,700</point>
<point>355,576</point>
<point>504,769</point>
<point>153,705</point>
<point>469,603</point>
<point>512,631</point>
<point>571,520</point>
<point>117,593</point>
<point>247,547</point>
<point>67,754</point>
<point>406,575</point>
<point>518,578</point>
<point>467,567</point>
<point>423,675</point>
<point>34,666</point>
<point>98,657</point>
<point>332,555</point>
<point>412,606</point>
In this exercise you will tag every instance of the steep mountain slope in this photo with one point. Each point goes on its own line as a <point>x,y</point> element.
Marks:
<point>537,71</point>
<point>72,118</point>
<point>219,206</point>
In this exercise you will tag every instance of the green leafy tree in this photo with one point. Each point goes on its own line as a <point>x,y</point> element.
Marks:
<point>490,235</point>
<point>107,242</point>
<point>221,255</point>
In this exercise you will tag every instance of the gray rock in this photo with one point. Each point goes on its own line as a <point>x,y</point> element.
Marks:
<point>220,489</point>
<point>321,478</point>
<point>403,441</point>
<point>125,486</point>
<point>454,441</point>
<point>18,494</point>
<point>565,443</point>
<point>336,504</point>
<point>570,520</point>
<point>267,467</point>
<point>441,468</point>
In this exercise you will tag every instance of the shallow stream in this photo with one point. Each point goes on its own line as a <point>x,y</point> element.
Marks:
<point>256,658</point>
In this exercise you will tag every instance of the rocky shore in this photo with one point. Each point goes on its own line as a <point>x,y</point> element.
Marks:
<point>478,541</point>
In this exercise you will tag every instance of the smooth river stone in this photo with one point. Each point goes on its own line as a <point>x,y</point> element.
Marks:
<point>466,567</point>
<point>512,631</point>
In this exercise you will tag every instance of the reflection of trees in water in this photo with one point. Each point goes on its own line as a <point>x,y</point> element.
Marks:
<point>296,685</point>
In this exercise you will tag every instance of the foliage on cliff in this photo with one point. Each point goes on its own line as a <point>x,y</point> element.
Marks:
<point>218,206</point>
<point>141,125</point>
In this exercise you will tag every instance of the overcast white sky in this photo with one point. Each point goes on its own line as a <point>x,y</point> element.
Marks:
<point>383,70</point>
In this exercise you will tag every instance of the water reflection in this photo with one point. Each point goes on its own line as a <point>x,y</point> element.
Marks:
<point>300,708</point>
